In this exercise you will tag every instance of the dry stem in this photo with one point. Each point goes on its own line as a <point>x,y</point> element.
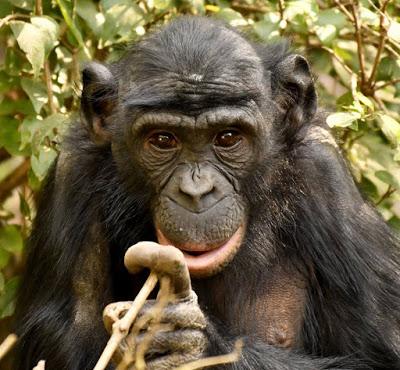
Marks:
<point>11,17</point>
<point>382,41</point>
<point>215,360</point>
<point>121,327</point>
<point>7,344</point>
<point>40,366</point>
<point>156,314</point>
<point>357,27</point>
<point>16,178</point>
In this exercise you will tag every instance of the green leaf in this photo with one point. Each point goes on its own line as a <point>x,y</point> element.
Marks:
<point>72,26</point>
<point>30,40</point>
<point>368,188</point>
<point>42,162</point>
<point>36,39</point>
<point>390,127</point>
<point>88,11</point>
<point>162,4</point>
<point>5,9</point>
<point>388,68</point>
<point>11,239</point>
<point>387,178</point>
<point>266,29</point>
<point>23,4</point>
<point>231,17</point>
<point>28,129</point>
<point>301,7</point>
<point>49,30</point>
<point>122,18</point>
<point>394,223</point>
<point>9,135</point>
<point>342,119</point>
<point>332,17</point>
<point>394,30</point>
<point>34,131</point>
<point>36,91</point>
<point>2,283</point>
<point>24,206</point>
<point>12,107</point>
<point>7,299</point>
<point>369,17</point>
<point>4,258</point>
<point>326,33</point>
<point>365,101</point>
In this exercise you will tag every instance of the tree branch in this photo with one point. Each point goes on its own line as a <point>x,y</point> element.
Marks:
<point>7,344</point>
<point>120,328</point>
<point>390,190</point>
<point>382,41</point>
<point>11,17</point>
<point>388,83</point>
<point>46,66</point>
<point>16,178</point>
<point>357,27</point>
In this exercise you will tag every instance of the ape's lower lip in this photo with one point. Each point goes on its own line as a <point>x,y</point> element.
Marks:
<point>205,262</point>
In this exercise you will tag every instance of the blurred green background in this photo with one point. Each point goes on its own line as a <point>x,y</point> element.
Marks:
<point>353,47</point>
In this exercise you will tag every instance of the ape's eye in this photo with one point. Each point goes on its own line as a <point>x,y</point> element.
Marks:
<point>163,140</point>
<point>227,138</point>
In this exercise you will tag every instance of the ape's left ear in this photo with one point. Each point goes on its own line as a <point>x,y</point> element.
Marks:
<point>294,88</point>
<point>99,97</point>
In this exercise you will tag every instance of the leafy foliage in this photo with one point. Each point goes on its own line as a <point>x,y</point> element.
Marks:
<point>353,47</point>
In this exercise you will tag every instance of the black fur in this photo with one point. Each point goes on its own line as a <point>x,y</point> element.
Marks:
<point>305,214</point>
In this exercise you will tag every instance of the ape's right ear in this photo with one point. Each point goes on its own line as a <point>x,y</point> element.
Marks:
<point>99,98</point>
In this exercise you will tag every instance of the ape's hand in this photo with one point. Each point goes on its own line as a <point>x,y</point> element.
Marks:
<point>180,336</point>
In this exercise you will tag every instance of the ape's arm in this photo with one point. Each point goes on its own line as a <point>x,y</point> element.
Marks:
<point>66,283</point>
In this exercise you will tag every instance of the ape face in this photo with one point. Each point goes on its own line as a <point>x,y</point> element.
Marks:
<point>193,117</point>
<point>195,164</point>
<point>196,145</point>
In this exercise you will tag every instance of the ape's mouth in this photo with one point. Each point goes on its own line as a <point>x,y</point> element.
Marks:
<point>203,261</point>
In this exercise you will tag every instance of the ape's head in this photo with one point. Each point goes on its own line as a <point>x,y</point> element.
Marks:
<point>194,109</point>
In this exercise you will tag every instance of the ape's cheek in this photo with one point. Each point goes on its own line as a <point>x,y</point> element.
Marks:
<point>206,261</point>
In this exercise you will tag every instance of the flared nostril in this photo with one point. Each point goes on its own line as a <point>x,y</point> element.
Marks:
<point>196,189</point>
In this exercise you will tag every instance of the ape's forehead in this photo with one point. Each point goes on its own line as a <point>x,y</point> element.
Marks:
<point>194,60</point>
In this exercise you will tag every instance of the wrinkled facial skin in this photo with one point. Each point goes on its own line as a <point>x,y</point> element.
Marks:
<point>195,163</point>
<point>195,128</point>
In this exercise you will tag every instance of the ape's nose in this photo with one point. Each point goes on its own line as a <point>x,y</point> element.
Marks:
<point>196,185</point>
<point>197,189</point>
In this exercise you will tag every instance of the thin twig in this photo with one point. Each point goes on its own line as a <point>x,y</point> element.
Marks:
<point>38,7</point>
<point>281,7</point>
<point>46,65</point>
<point>16,178</point>
<point>11,17</point>
<point>382,41</point>
<point>7,344</point>
<point>388,83</point>
<point>245,8</point>
<point>164,298</point>
<point>121,327</point>
<point>390,190</point>
<point>340,60</point>
<point>370,30</point>
<point>344,10</point>
<point>215,360</point>
<point>49,86</point>
<point>40,366</point>
<point>357,29</point>
<point>380,103</point>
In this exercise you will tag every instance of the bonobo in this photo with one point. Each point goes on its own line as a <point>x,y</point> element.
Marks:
<point>200,139</point>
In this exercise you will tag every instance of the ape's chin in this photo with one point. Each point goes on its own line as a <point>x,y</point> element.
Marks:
<point>203,261</point>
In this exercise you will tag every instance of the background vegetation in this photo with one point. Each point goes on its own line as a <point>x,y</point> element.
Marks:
<point>353,47</point>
